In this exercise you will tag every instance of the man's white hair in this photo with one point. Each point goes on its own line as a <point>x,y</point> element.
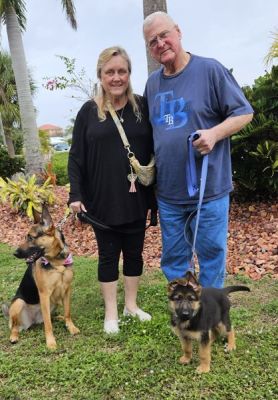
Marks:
<point>158,14</point>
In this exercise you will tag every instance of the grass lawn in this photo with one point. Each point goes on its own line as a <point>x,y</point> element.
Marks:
<point>141,363</point>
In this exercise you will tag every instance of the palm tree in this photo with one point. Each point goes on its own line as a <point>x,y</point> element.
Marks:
<point>12,13</point>
<point>150,6</point>
<point>2,135</point>
<point>273,51</point>
<point>9,109</point>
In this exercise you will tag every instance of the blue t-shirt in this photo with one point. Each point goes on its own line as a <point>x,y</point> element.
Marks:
<point>201,96</point>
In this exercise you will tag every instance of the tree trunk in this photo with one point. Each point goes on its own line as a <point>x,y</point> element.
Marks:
<point>33,156</point>
<point>150,7</point>
<point>2,134</point>
<point>9,142</point>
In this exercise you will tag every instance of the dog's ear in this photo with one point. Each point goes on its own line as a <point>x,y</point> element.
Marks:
<point>192,280</point>
<point>171,286</point>
<point>36,216</point>
<point>46,217</point>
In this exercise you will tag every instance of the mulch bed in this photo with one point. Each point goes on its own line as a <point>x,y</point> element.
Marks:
<point>252,243</point>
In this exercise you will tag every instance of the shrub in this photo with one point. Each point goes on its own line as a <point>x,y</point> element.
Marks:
<point>60,167</point>
<point>9,166</point>
<point>254,148</point>
<point>24,195</point>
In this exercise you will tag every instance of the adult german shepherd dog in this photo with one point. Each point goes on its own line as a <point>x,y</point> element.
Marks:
<point>46,282</point>
<point>201,314</point>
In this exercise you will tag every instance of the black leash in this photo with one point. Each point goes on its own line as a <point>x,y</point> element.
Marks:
<point>88,219</point>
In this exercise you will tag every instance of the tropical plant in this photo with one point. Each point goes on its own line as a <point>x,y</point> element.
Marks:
<point>150,6</point>
<point>8,165</point>
<point>45,142</point>
<point>25,194</point>
<point>12,13</point>
<point>273,51</point>
<point>254,148</point>
<point>60,164</point>
<point>9,108</point>
<point>76,80</point>
<point>8,100</point>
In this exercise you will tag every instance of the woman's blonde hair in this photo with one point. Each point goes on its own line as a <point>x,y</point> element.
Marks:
<point>101,96</point>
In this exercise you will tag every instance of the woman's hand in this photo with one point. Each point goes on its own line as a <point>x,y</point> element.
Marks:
<point>77,206</point>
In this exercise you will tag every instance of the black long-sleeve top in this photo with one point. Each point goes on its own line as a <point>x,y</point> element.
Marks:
<point>98,165</point>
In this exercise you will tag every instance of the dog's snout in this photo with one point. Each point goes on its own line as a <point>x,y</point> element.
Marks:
<point>18,253</point>
<point>185,315</point>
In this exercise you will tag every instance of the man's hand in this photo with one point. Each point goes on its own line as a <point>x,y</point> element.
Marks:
<point>208,137</point>
<point>206,141</point>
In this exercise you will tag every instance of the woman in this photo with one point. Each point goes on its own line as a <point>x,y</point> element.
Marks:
<point>99,170</point>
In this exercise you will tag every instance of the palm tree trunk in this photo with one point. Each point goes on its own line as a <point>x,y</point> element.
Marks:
<point>150,7</point>
<point>10,144</point>
<point>2,134</point>
<point>33,157</point>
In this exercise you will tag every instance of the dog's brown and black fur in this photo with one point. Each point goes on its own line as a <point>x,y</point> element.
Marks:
<point>46,282</point>
<point>200,314</point>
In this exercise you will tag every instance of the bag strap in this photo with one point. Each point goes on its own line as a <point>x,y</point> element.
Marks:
<point>119,126</point>
<point>131,177</point>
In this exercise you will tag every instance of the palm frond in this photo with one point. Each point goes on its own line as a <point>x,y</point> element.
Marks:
<point>69,8</point>
<point>273,51</point>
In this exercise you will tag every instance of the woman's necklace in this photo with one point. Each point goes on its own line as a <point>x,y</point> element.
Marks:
<point>120,116</point>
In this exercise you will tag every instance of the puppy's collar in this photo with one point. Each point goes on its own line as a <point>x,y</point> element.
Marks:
<point>67,262</point>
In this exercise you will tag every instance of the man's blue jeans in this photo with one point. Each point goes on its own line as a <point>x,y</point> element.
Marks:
<point>211,242</point>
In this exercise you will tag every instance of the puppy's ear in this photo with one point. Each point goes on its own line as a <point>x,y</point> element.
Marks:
<point>192,280</point>
<point>171,286</point>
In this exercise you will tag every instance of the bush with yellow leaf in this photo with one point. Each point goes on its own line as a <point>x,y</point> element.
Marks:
<point>25,194</point>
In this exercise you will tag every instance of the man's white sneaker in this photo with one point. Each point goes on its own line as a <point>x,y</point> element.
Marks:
<point>111,326</point>
<point>142,315</point>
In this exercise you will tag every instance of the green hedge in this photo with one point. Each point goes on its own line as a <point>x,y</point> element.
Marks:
<point>9,166</point>
<point>60,167</point>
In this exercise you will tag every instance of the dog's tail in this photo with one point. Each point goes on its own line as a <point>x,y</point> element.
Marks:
<point>230,289</point>
<point>5,310</point>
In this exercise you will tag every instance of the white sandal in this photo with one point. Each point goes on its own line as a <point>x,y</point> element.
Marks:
<point>142,315</point>
<point>111,326</point>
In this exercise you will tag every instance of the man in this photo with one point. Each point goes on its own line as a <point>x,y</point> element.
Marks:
<point>191,94</point>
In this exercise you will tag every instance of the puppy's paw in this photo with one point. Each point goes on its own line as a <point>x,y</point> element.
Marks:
<point>231,347</point>
<point>184,360</point>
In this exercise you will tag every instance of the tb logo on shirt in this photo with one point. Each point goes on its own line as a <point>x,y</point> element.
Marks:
<point>169,111</point>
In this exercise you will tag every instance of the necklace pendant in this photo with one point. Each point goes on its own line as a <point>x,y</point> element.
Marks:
<point>121,120</point>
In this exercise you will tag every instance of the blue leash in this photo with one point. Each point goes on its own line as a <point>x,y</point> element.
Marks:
<point>193,189</point>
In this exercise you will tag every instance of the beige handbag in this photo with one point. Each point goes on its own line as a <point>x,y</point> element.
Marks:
<point>144,173</point>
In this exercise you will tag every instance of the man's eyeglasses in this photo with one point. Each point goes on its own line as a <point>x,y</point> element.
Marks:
<point>160,36</point>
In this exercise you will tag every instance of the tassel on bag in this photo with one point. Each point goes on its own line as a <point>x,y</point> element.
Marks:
<point>132,178</point>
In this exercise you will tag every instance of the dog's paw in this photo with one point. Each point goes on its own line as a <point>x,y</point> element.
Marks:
<point>230,347</point>
<point>203,369</point>
<point>74,330</point>
<point>184,360</point>
<point>51,344</point>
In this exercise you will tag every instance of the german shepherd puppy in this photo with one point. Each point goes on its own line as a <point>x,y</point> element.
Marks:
<point>200,314</point>
<point>46,282</point>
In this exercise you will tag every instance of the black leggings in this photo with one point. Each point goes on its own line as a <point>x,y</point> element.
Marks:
<point>112,243</point>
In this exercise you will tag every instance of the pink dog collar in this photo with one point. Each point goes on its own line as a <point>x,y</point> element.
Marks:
<point>68,261</point>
